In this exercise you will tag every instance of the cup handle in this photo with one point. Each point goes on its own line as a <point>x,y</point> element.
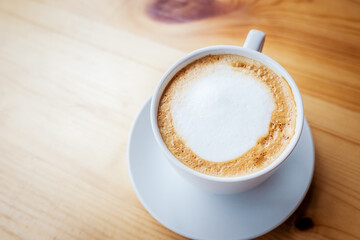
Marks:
<point>255,40</point>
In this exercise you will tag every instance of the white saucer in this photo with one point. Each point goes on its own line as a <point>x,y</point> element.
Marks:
<point>197,214</point>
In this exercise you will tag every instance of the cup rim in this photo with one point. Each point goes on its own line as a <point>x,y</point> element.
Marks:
<point>226,49</point>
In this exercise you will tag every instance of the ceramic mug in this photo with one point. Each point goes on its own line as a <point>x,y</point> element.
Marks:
<point>226,185</point>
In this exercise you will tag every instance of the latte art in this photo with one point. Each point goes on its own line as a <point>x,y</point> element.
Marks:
<point>222,114</point>
<point>226,115</point>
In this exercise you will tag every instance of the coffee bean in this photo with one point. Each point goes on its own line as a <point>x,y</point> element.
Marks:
<point>304,223</point>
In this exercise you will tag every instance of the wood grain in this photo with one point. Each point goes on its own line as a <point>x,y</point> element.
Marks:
<point>73,75</point>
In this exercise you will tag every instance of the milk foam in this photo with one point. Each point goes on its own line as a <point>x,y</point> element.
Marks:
<point>222,115</point>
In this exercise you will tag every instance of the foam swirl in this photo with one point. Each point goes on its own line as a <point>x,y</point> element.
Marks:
<point>227,115</point>
<point>222,115</point>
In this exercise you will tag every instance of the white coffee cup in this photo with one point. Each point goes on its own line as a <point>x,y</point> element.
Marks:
<point>226,185</point>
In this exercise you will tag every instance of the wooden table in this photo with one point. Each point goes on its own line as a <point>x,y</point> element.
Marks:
<point>73,75</point>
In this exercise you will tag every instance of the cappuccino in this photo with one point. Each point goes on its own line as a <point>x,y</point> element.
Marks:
<point>226,115</point>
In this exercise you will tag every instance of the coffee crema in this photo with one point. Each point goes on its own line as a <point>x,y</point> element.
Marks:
<point>226,115</point>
